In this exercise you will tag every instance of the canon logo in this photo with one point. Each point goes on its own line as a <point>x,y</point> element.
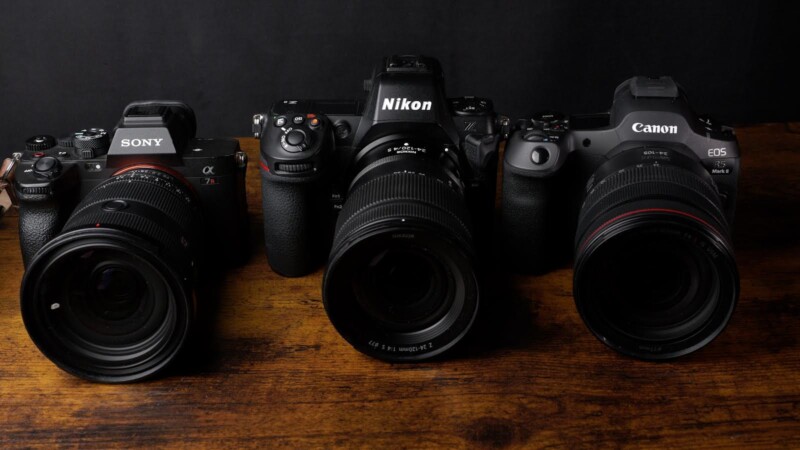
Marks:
<point>141,142</point>
<point>639,127</point>
<point>404,104</point>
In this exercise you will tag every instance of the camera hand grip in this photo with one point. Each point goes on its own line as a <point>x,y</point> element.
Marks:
<point>526,202</point>
<point>39,222</point>
<point>293,221</point>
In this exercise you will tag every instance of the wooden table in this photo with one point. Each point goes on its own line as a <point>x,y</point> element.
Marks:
<point>277,374</point>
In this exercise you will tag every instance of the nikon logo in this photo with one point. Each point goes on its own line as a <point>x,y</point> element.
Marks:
<point>141,142</point>
<point>404,104</point>
<point>639,127</point>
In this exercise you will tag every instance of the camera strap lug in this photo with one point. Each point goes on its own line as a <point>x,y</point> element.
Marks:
<point>258,125</point>
<point>504,126</point>
<point>7,194</point>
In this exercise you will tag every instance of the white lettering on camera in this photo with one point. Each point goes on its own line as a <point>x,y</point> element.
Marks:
<point>151,142</point>
<point>404,104</point>
<point>639,127</point>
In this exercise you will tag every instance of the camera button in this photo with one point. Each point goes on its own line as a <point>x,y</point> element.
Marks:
<point>313,123</point>
<point>47,167</point>
<point>280,121</point>
<point>294,141</point>
<point>540,155</point>
<point>298,120</point>
<point>114,205</point>
<point>295,137</point>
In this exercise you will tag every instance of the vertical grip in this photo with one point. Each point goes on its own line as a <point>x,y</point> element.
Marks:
<point>526,205</point>
<point>294,233</point>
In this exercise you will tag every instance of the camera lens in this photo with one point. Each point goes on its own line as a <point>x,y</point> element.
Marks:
<point>655,276</point>
<point>403,289</point>
<point>400,283</point>
<point>110,298</point>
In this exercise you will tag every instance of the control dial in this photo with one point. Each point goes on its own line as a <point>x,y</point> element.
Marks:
<point>40,143</point>
<point>91,142</point>
<point>295,141</point>
<point>471,106</point>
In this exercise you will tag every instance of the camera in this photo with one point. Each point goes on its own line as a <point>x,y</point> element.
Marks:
<point>645,194</point>
<point>115,228</point>
<point>396,188</point>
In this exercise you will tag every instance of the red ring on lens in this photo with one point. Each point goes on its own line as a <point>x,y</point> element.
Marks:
<point>639,211</point>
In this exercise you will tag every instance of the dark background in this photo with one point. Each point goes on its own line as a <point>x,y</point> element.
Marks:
<point>68,65</point>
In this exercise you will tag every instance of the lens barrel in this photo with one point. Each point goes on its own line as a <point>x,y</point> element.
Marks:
<point>111,298</point>
<point>401,283</point>
<point>655,275</point>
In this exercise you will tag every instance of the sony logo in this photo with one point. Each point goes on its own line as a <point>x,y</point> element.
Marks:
<point>404,104</point>
<point>141,142</point>
<point>639,127</point>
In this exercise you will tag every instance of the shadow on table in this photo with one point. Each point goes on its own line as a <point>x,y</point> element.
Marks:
<point>767,220</point>
<point>202,349</point>
<point>509,318</point>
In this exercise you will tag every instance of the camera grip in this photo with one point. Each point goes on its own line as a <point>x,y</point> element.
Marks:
<point>526,201</point>
<point>39,222</point>
<point>293,233</point>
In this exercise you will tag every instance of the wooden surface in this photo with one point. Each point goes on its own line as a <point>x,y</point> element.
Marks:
<point>277,374</point>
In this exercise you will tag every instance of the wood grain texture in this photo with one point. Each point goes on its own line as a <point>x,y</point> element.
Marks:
<point>274,373</point>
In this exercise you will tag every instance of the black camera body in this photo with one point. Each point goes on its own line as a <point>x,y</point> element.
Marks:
<point>312,150</point>
<point>645,194</point>
<point>552,161</point>
<point>117,230</point>
<point>54,175</point>
<point>399,190</point>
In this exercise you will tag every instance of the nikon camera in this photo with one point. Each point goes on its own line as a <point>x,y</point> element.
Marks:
<point>645,195</point>
<point>114,228</point>
<point>396,189</point>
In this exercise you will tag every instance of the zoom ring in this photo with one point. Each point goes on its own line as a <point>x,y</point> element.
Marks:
<point>650,183</point>
<point>404,195</point>
<point>159,208</point>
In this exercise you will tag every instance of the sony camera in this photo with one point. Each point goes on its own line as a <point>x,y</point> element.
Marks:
<point>396,189</point>
<point>645,194</point>
<point>114,228</point>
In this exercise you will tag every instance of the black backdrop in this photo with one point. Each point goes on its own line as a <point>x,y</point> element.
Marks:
<point>66,65</point>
